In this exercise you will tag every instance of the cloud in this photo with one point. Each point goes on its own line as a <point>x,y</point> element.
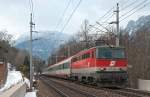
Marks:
<point>14,14</point>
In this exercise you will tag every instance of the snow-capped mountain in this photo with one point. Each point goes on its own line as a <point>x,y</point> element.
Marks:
<point>43,43</point>
<point>133,26</point>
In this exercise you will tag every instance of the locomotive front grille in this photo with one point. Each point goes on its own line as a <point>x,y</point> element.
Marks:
<point>112,76</point>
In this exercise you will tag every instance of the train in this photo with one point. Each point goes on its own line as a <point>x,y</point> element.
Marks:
<point>102,65</point>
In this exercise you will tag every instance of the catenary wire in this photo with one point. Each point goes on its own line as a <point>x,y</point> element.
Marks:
<point>135,11</point>
<point>71,16</point>
<point>140,4</point>
<point>63,14</point>
<point>127,6</point>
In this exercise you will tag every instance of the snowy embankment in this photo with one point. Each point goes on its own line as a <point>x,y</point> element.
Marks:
<point>14,78</point>
<point>30,94</point>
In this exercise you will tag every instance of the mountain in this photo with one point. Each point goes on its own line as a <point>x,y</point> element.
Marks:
<point>133,26</point>
<point>43,43</point>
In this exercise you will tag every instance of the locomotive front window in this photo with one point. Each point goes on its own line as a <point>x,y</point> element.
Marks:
<point>118,53</point>
<point>104,53</point>
<point>110,53</point>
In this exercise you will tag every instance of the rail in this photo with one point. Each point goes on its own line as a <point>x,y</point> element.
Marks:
<point>53,87</point>
<point>80,92</point>
<point>128,92</point>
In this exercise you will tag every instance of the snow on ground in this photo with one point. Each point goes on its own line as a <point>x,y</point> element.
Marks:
<point>26,80</point>
<point>30,94</point>
<point>13,78</point>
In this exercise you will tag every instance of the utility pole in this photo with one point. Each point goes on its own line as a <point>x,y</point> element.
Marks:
<point>31,67</point>
<point>85,33</point>
<point>117,24</point>
<point>56,58</point>
<point>68,51</point>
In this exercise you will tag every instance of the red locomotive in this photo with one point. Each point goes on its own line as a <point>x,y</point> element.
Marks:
<point>101,64</point>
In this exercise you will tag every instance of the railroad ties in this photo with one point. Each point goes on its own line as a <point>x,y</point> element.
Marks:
<point>131,92</point>
<point>67,88</point>
<point>65,91</point>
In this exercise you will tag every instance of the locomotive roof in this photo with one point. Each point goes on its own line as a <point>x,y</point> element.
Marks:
<point>86,50</point>
<point>111,46</point>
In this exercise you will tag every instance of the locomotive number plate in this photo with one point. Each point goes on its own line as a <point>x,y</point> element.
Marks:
<point>112,69</point>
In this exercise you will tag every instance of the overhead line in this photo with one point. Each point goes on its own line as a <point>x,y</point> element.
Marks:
<point>63,14</point>
<point>106,13</point>
<point>109,11</point>
<point>70,16</point>
<point>31,6</point>
<point>109,17</point>
<point>135,11</point>
<point>135,1</point>
<point>121,3</point>
<point>133,8</point>
<point>32,10</point>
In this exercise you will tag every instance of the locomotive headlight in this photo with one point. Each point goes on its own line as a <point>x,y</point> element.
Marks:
<point>102,68</point>
<point>112,63</point>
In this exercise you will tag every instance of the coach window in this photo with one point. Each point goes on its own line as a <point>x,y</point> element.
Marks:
<point>49,69</point>
<point>79,58</point>
<point>60,66</point>
<point>92,54</point>
<point>66,65</point>
<point>88,55</point>
<point>63,66</point>
<point>83,56</point>
<point>54,68</point>
<point>57,68</point>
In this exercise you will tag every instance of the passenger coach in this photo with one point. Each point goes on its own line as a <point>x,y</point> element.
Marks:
<point>61,69</point>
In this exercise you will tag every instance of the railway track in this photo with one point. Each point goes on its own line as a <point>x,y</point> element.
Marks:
<point>139,91</point>
<point>54,88</point>
<point>66,91</point>
<point>127,92</point>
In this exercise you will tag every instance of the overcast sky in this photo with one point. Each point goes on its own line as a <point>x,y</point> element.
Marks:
<point>14,14</point>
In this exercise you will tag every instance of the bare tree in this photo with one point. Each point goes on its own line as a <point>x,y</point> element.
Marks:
<point>83,33</point>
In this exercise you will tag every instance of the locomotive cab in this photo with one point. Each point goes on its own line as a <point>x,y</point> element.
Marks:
<point>111,65</point>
